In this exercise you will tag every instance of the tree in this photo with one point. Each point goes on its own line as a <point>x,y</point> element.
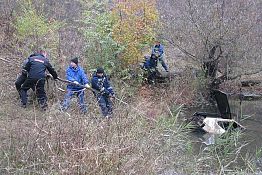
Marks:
<point>100,47</point>
<point>133,28</point>
<point>34,30</point>
<point>223,35</point>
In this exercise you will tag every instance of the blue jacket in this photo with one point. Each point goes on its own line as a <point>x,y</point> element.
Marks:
<point>99,82</point>
<point>78,75</point>
<point>150,63</point>
<point>158,49</point>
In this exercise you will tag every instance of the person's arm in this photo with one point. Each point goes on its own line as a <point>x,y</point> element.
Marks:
<point>94,83</point>
<point>108,87</point>
<point>161,49</point>
<point>84,77</point>
<point>25,62</point>
<point>51,70</point>
<point>27,65</point>
<point>153,50</point>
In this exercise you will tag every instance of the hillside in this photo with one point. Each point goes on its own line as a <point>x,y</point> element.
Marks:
<point>147,133</point>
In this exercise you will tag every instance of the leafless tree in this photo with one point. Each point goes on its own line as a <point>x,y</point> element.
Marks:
<point>223,35</point>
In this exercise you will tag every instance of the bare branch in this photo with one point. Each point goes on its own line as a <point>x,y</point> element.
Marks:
<point>5,60</point>
<point>182,49</point>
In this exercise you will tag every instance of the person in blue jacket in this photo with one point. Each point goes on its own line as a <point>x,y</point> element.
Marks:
<point>77,76</point>
<point>158,50</point>
<point>150,65</point>
<point>104,92</point>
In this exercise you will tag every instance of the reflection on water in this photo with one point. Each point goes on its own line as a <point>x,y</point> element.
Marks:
<point>249,114</point>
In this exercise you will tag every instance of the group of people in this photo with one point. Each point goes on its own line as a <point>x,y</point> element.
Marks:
<point>100,85</point>
<point>150,63</point>
<point>33,76</point>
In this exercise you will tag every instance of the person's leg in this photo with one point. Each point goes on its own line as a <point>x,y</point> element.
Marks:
<point>29,83</point>
<point>151,76</point>
<point>81,100</point>
<point>19,81</point>
<point>161,59</point>
<point>102,104</point>
<point>67,100</point>
<point>109,105</point>
<point>40,93</point>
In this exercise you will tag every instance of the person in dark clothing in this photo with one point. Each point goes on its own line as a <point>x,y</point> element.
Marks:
<point>158,50</point>
<point>105,92</point>
<point>22,77</point>
<point>150,65</point>
<point>36,67</point>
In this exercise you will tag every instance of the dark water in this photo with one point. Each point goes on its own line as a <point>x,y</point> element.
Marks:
<point>247,113</point>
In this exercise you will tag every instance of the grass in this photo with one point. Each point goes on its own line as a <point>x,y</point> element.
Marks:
<point>55,142</point>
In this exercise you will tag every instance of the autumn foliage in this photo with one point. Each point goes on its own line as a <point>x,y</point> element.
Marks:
<point>134,25</point>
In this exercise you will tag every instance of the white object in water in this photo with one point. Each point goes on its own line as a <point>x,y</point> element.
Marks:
<point>211,125</point>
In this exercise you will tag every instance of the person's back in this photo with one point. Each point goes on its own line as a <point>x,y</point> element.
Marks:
<point>150,62</point>
<point>36,67</point>
<point>153,61</point>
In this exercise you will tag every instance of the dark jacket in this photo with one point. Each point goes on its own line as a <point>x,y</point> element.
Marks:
<point>24,72</point>
<point>37,65</point>
<point>76,74</point>
<point>102,82</point>
<point>150,63</point>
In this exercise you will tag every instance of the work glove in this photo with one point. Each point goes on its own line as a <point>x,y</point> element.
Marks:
<point>76,82</point>
<point>112,96</point>
<point>24,71</point>
<point>157,54</point>
<point>49,76</point>
<point>87,86</point>
<point>102,89</point>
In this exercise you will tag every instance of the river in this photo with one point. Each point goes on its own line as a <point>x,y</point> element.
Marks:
<point>249,115</point>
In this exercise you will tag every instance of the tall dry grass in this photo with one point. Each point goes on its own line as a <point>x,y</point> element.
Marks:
<point>132,142</point>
